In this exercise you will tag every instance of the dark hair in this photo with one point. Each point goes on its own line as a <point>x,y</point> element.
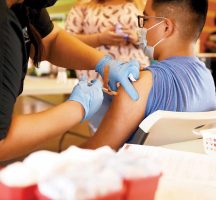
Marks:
<point>35,40</point>
<point>193,13</point>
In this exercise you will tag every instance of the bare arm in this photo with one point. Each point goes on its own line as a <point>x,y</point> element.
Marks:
<point>92,40</point>
<point>28,131</point>
<point>108,37</point>
<point>65,50</point>
<point>123,116</point>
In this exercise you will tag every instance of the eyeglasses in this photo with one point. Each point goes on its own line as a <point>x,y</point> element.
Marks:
<point>143,18</point>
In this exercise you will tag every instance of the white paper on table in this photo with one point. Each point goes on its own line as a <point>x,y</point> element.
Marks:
<point>186,175</point>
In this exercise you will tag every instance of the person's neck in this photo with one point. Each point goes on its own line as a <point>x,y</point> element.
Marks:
<point>177,50</point>
<point>115,2</point>
<point>9,3</point>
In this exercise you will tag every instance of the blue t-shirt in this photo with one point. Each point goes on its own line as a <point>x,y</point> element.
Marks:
<point>181,84</point>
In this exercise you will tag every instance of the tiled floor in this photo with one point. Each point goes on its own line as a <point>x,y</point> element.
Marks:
<point>76,136</point>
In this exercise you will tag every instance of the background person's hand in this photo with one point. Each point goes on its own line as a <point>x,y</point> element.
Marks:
<point>119,73</point>
<point>132,36</point>
<point>90,95</point>
<point>110,37</point>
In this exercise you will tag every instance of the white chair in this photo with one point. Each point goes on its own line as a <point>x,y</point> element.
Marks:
<point>165,127</point>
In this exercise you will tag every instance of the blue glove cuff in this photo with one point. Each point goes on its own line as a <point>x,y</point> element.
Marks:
<point>102,63</point>
<point>77,99</point>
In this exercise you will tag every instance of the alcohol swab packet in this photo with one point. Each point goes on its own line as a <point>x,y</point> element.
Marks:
<point>131,77</point>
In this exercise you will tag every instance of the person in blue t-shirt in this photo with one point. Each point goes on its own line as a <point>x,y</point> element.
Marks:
<point>178,81</point>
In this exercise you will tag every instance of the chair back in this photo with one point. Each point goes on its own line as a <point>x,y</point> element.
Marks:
<point>166,127</point>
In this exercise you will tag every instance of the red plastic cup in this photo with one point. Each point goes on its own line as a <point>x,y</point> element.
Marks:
<point>17,193</point>
<point>142,188</point>
<point>40,196</point>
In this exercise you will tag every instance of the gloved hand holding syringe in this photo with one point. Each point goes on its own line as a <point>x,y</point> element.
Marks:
<point>106,87</point>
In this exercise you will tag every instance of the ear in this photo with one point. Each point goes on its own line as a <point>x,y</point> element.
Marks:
<point>169,27</point>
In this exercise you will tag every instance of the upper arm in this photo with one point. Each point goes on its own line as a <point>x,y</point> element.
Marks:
<point>48,41</point>
<point>41,21</point>
<point>123,116</point>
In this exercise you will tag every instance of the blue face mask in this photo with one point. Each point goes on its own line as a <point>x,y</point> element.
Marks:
<point>39,4</point>
<point>148,50</point>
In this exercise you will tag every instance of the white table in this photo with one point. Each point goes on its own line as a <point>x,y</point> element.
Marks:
<point>47,86</point>
<point>179,189</point>
<point>195,146</point>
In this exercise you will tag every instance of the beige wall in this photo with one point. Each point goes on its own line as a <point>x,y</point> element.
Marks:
<point>209,26</point>
<point>62,6</point>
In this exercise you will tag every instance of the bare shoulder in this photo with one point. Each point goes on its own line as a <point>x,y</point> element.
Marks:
<point>144,83</point>
<point>81,4</point>
<point>143,86</point>
<point>146,74</point>
<point>87,3</point>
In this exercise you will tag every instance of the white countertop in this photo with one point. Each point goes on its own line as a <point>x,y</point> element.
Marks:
<point>47,86</point>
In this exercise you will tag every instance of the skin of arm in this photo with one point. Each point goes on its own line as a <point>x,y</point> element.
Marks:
<point>28,131</point>
<point>108,37</point>
<point>92,40</point>
<point>62,49</point>
<point>123,116</point>
<point>105,38</point>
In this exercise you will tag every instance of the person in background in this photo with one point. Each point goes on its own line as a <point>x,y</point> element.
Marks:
<point>179,81</point>
<point>110,26</point>
<point>27,31</point>
<point>210,47</point>
<point>210,44</point>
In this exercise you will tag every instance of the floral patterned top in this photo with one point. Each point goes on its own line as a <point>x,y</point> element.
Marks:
<point>84,19</point>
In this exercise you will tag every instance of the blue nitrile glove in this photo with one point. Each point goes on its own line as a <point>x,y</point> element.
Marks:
<point>119,72</point>
<point>90,95</point>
